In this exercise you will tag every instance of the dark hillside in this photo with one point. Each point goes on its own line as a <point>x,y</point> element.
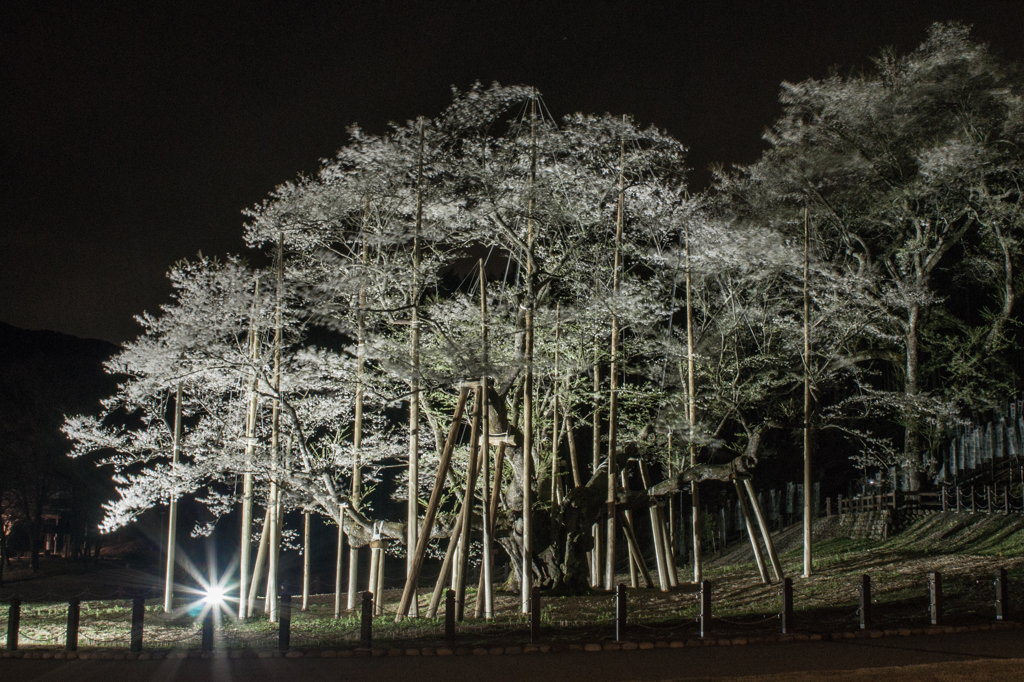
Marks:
<point>43,376</point>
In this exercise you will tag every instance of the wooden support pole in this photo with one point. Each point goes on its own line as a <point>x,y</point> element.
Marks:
<point>765,531</point>
<point>657,531</point>
<point>413,575</point>
<point>337,563</point>
<point>556,427</point>
<point>634,549</point>
<point>570,439</point>
<point>353,577</point>
<point>634,565</point>
<point>379,587</point>
<point>758,557</point>
<point>450,555</point>
<point>357,431</point>
<point>613,373</point>
<point>691,400</point>
<point>808,520</point>
<point>307,550</point>
<point>669,548</point>
<point>468,502</point>
<point>172,514</point>
<point>245,546</point>
<point>414,386</point>
<point>274,553</point>
<point>526,574</point>
<point>446,567</point>
<point>596,530</point>
<point>486,589</point>
<point>261,558</point>
<point>374,569</point>
<point>478,609</point>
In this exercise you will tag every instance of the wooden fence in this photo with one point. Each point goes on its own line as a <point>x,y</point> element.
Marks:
<point>784,620</point>
<point>975,499</point>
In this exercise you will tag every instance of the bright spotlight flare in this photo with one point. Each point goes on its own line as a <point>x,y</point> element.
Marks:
<point>214,596</point>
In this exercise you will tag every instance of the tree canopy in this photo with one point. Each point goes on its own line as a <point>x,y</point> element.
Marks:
<point>318,378</point>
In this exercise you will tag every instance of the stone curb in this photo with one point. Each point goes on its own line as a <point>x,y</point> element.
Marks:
<point>379,652</point>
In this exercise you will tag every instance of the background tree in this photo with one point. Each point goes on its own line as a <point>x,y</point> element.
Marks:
<point>899,167</point>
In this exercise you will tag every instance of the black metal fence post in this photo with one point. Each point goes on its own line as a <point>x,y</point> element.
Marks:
<point>935,597</point>
<point>1002,595</point>
<point>620,613</point>
<point>865,602</point>
<point>366,624</point>
<point>534,614</point>
<point>208,630</point>
<point>705,608</point>
<point>449,616</point>
<point>138,615</point>
<point>788,617</point>
<point>74,611</point>
<point>13,624</point>
<point>284,632</point>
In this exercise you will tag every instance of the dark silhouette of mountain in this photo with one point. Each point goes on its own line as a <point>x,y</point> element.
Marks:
<point>45,375</point>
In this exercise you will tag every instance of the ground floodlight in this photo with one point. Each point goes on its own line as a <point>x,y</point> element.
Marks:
<point>214,595</point>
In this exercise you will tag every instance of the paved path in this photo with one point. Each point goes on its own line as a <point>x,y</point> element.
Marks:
<point>603,666</point>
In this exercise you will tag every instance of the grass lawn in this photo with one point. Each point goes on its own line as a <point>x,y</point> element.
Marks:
<point>966,548</point>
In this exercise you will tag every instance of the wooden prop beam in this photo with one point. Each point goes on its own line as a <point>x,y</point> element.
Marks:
<point>435,499</point>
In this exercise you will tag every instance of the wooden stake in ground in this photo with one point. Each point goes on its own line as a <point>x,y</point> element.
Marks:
<point>412,578</point>
<point>613,394</point>
<point>172,514</point>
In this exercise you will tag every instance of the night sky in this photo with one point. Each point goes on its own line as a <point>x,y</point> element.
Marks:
<point>132,134</point>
